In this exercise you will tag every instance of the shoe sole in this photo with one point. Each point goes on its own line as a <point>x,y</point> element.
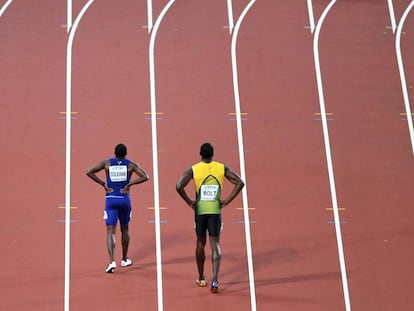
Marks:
<point>201,283</point>
<point>110,270</point>
<point>126,264</point>
<point>214,290</point>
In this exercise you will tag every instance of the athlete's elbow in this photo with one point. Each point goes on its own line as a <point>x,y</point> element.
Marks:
<point>179,188</point>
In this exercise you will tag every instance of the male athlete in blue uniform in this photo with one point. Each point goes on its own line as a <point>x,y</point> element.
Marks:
<point>208,177</point>
<point>118,205</point>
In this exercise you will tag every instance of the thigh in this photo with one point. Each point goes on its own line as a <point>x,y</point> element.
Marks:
<point>125,211</point>
<point>200,223</point>
<point>111,212</point>
<point>214,225</point>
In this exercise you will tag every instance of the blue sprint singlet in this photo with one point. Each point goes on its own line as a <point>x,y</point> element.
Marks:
<point>117,176</point>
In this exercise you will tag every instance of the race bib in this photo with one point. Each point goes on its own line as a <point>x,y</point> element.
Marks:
<point>209,192</point>
<point>118,173</point>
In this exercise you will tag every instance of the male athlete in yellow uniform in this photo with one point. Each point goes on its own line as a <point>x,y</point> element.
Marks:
<point>208,177</point>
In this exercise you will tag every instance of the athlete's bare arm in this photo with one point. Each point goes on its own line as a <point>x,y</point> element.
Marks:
<point>182,183</point>
<point>139,171</point>
<point>95,169</point>
<point>238,183</point>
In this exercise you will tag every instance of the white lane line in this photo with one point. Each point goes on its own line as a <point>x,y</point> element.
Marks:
<point>311,16</point>
<point>68,151</point>
<point>230,14</point>
<point>5,6</point>
<point>402,74</point>
<point>149,15</point>
<point>155,153</point>
<point>68,15</point>
<point>392,15</point>
<point>241,155</point>
<point>329,159</point>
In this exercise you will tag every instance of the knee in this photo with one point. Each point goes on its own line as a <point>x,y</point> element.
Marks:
<point>124,227</point>
<point>216,252</point>
<point>201,241</point>
<point>216,255</point>
<point>111,229</point>
<point>200,247</point>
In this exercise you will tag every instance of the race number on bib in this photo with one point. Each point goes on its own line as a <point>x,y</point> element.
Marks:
<point>209,192</point>
<point>118,173</point>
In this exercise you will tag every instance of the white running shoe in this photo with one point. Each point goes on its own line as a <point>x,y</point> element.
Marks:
<point>111,267</point>
<point>125,263</point>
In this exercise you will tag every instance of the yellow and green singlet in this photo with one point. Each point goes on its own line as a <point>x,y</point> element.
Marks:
<point>208,179</point>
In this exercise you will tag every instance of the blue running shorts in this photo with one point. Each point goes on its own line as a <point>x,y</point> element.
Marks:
<point>117,208</point>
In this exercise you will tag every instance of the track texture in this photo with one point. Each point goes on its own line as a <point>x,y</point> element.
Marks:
<point>293,238</point>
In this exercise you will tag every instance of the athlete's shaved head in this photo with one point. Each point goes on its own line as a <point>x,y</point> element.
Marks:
<point>120,150</point>
<point>206,151</point>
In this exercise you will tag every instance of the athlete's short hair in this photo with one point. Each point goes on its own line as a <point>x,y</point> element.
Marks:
<point>120,150</point>
<point>206,151</point>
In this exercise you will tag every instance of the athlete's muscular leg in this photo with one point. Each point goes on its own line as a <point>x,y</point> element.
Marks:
<point>200,255</point>
<point>125,241</point>
<point>215,255</point>
<point>110,241</point>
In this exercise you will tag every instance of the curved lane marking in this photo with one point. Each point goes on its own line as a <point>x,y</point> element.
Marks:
<point>155,152</point>
<point>68,151</point>
<point>241,155</point>
<point>328,153</point>
<point>5,6</point>
<point>402,73</point>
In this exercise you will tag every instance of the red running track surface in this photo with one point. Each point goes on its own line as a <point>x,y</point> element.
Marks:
<point>294,245</point>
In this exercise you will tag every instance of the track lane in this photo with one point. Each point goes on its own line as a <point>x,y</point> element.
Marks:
<point>286,168</point>
<point>370,153</point>
<point>111,97</point>
<point>237,7</point>
<point>31,53</point>
<point>406,49</point>
<point>371,238</point>
<point>399,7</point>
<point>194,94</point>
<point>403,78</point>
